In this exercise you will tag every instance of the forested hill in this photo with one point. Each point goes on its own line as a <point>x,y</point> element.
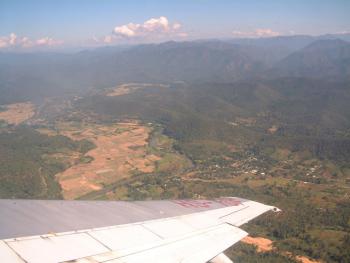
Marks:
<point>320,59</point>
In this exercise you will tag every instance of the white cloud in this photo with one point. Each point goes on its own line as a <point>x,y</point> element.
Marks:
<point>266,32</point>
<point>24,42</point>
<point>260,32</point>
<point>108,39</point>
<point>13,39</point>
<point>182,34</point>
<point>156,24</point>
<point>3,42</point>
<point>153,28</point>
<point>176,26</point>
<point>48,41</point>
<point>344,32</point>
<point>95,39</point>
<point>128,30</point>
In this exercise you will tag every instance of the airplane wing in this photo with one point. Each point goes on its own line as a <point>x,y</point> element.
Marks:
<point>37,231</point>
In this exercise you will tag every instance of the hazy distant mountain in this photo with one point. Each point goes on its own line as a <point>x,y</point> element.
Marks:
<point>191,61</point>
<point>51,73</point>
<point>292,43</point>
<point>37,75</point>
<point>282,46</point>
<point>320,59</point>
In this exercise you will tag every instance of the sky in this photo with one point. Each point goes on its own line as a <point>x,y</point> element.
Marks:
<point>28,24</point>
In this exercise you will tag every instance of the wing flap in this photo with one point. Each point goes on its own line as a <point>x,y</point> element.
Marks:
<point>56,248</point>
<point>124,237</point>
<point>8,255</point>
<point>198,247</point>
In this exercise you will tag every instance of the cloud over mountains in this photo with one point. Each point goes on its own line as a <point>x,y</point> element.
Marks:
<point>151,29</point>
<point>14,41</point>
<point>159,25</point>
<point>259,32</point>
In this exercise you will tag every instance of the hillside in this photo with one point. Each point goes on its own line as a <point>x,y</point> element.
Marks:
<point>320,59</point>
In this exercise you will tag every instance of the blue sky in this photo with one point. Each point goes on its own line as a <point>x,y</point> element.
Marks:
<point>89,22</point>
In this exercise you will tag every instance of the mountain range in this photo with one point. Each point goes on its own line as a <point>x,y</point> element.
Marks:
<point>36,75</point>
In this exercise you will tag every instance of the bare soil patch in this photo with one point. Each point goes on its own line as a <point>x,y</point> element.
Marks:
<point>306,260</point>
<point>17,113</point>
<point>262,244</point>
<point>131,87</point>
<point>265,245</point>
<point>120,151</point>
<point>273,129</point>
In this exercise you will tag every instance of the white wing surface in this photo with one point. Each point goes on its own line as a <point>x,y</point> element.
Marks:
<point>102,231</point>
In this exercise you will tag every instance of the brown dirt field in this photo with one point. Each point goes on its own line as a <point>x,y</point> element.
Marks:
<point>18,112</point>
<point>263,244</point>
<point>303,259</point>
<point>121,90</point>
<point>116,156</point>
<point>273,129</point>
<point>131,87</point>
<point>246,121</point>
<point>47,132</point>
<point>306,260</point>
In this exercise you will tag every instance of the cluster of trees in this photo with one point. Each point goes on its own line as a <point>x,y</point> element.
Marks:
<point>24,173</point>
